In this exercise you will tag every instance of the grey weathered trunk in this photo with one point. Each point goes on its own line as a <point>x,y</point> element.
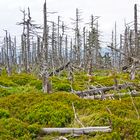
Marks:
<point>66,49</point>
<point>7,54</point>
<point>45,32</point>
<point>46,83</point>
<point>15,51</point>
<point>132,71</point>
<point>84,130</point>
<point>136,31</point>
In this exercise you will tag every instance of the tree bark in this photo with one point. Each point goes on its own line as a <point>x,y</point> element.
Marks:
<point>100,90</point>
<point>85,130</point>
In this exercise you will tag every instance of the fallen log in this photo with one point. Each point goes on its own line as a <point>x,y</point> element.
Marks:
<point>110,96</point>
<point>101,90</point>
<point>85,130</point>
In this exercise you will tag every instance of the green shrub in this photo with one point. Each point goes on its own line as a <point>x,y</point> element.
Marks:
<point>13,127</point>
<point>50,113</point>
<point>34,130</point>
<point>63,87</point>
<point>103,80</point>
<point>31,110</point>
<point>5,81</point>
<point>26,89</point>
<point>37,84</point>
<point>60,84</point>
<point>22,79</point>
<point>4,92</point>
<point>4,113</point>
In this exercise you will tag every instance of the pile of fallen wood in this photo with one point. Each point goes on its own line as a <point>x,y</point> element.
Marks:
<point>99,93</point>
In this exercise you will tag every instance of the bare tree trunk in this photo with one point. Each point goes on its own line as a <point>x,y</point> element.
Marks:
<point>2,56</point>
<point>115,45</point>
<point>132,71</point>
<point>24,52</point>
<point>7,54</point>
<point>85,49</point>
<point>38,50</point>
<point>66,49</point>
<point>131,49</point>
<point>46,84</point>
<point>60,53</point>
<point>85,130</point>
<point>28,41</point>
<point>97,47</point>
<point>45,33</point>
<point>10,55</point>
<point>53,45</point>
<point>71,50</point>
<point>15,51</point>
<point>120,56</point>
<point>112,50</point>
<point>77,38</point>
<point>126,47</point>
<point>136,31</point>
<point>58,38</point>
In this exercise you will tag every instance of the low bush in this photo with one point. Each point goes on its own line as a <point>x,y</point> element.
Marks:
<point>22,79</point>
<point>53,114</point>
<point>36,83</point>
<point>4,113</point>
<point>60,84</point>
<point>14,128</point>
<point>4,92</point>
<point>6,81</point>
<point>63,87</point>
<point>24,109</point>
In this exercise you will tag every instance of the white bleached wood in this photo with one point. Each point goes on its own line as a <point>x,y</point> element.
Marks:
<point>85,130</point>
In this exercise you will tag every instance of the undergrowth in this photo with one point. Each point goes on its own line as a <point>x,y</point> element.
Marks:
<point>25,109</point>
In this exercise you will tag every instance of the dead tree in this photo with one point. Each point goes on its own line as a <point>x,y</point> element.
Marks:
<point>9,72</point>
<point>53,54</point>
<point>85,48</point>
<point>120,55</point>
<point>28,24</point>
<point>77,45</point>
<point>15,51</point>
<point>58,38</point>
<point>126,50</point>
<point>93,45</point>
<point>71,51</point>
<point>115,45</point>
<point>45,80</point>
<point>97,44</point>
<point>66,49</point>
<point>112,49</point>
<point>38,49</point>
<point>45,32</point>
<point>10,54</point>
<point>136,31</point>
<point>25,40</point>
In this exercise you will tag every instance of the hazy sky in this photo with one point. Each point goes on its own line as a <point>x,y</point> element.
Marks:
<point>108,10</point>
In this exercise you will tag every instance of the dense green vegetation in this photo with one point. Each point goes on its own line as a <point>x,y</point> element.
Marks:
<point>24,109</point>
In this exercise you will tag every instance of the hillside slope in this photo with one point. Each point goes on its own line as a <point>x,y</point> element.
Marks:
<point>24,109</point>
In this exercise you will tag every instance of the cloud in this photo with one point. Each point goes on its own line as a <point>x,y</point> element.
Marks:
<point>109,10</point>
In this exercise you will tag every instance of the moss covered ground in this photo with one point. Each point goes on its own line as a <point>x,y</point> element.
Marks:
<point>25,109</point>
